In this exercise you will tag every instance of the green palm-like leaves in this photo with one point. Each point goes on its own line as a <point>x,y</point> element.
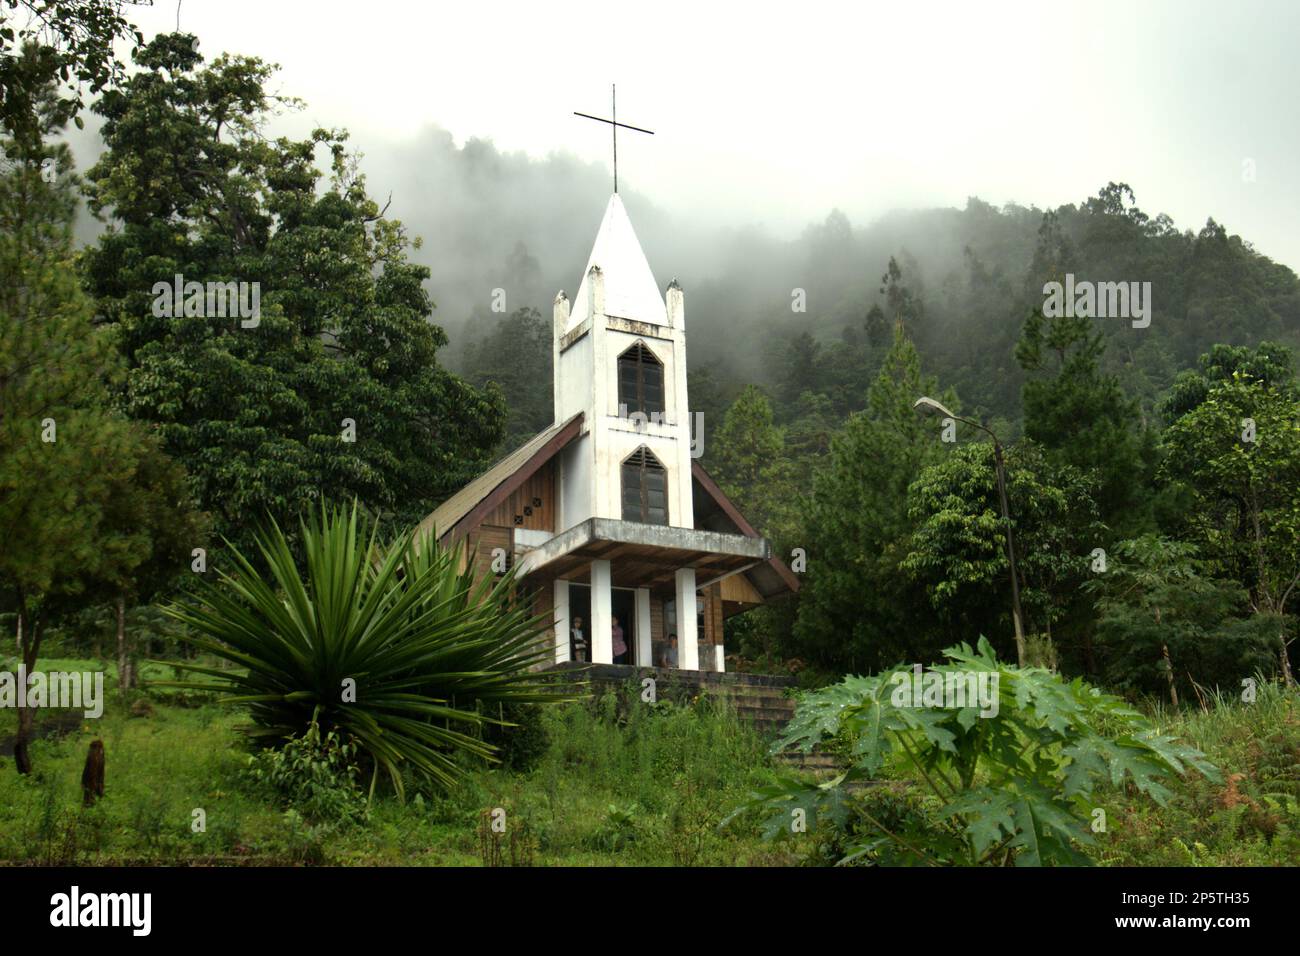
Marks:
<point>429,652</point>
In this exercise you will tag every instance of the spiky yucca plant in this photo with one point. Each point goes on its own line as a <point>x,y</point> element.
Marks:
<point>429,652</point>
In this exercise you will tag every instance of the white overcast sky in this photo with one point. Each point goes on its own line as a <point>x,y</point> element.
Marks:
<point>775,113</point>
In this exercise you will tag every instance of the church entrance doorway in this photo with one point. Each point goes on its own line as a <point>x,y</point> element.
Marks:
<point>622,605</point>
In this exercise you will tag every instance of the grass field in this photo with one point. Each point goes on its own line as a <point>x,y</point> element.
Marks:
<point>641,786</point>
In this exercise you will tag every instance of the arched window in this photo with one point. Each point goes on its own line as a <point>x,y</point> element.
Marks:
<point>640,380</point>
<point>645,488</point>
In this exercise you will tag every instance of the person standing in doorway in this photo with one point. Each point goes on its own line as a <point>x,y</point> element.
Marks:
<point>578,640</point>
<point>620,645</point>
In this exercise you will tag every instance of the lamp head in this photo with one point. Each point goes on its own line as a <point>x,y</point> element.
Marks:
<point>928,406</point>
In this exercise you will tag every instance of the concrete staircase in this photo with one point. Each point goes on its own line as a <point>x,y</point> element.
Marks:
<point>760,699</point>
<point>757,697</point>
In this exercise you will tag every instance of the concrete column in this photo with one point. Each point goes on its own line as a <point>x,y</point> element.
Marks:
<point>688,637</point>
<point>563,652</point>
<point>602,615</point>
<point>721,656</point>
<point>643,646</point>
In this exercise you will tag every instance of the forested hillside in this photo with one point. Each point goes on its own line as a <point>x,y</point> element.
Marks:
<point>1126,471</point>
<point>962,280</point>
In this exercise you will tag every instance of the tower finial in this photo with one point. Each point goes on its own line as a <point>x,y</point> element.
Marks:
<point>615,124</point>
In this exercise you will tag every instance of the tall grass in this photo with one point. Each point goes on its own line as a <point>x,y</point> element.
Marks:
<point>1252,819</point>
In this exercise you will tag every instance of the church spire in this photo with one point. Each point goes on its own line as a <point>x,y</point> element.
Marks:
<point>629,288</point>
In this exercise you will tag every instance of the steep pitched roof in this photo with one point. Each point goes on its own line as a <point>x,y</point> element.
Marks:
<point>630,288</point>
<point>771,578</point>
<point>488,489</point>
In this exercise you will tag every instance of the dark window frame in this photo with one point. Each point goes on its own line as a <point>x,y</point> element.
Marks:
<point>643,364</point>
<point>641,464</point>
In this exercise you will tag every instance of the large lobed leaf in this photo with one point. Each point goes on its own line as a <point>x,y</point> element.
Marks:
<point>1019,782</point>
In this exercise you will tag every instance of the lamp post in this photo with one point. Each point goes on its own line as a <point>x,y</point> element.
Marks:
<point>929,406</point>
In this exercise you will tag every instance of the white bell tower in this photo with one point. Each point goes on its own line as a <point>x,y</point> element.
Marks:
<point>620,313</point>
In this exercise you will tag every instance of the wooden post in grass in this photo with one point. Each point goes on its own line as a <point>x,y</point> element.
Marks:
<point>92,776</point>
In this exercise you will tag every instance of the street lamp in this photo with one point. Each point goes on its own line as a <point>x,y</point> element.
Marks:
<point>928,406</point>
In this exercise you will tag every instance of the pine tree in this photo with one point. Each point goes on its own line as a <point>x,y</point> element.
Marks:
<point>853,609</point>
<point>752,466</point>
<point>62,448</point>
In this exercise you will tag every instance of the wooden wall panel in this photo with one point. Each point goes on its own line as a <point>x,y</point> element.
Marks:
<point>484,538</point>
<point>521,503</point>
<point>738,588</point>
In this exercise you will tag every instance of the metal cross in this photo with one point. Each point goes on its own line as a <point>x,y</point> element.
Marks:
<point>613,121</point>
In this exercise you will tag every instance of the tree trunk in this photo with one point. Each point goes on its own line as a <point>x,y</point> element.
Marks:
<point>1285,660</point>
<point>125,679</point>
<point>26,720</point>
<point>26,715</point>
<point>1089,655</point>
<point>1169,674</point>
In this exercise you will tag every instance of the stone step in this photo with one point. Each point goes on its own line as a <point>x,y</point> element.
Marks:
<point>756,700</point>
<point>770,713</point>
<point>821,765</point>
<point>767,693</point>
<point>816,758</point>
<point>759,699</point>
<point>764,698</point>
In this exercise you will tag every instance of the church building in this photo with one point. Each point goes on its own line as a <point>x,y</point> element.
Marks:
<point>612,524</point>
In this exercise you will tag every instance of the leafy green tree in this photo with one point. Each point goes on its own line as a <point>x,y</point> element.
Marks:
<point>903,304</point>
<point>957,551</point>
<point>792,362</point>
<point>335,388</point>
<point>1269,364</point>
<point>515,356</point>
<point>877,326</point>
<point>751,465</point>
<point>711,389</point>
<point>149,510</point>
<point>1238,453</point>
<point>854,606</point>
<point>72,41</point>
<point>1166,624</point>
<point>1079,414</point>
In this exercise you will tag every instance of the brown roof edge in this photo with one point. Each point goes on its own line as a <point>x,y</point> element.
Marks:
<point>514,480</point>
<point>708,484</point>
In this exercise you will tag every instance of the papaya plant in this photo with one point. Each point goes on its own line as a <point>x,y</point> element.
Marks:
<point>1010,773</point>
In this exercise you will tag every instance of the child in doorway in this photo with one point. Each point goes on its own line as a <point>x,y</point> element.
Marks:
<point>620,645</point>
<point>578,640</point>
<point>670,655</point>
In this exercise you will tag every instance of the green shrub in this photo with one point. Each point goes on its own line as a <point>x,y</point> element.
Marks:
<point>399,649</point>
<point>316,776</point>
<point>1014,784</point>
<point>520,738</point>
